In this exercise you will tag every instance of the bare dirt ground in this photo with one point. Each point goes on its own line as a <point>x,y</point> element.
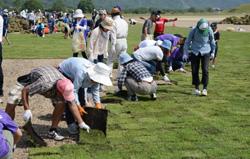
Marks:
<point>188,21</point>
<point>41,107</point>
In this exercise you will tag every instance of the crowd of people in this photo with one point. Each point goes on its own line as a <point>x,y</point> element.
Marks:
<point>69,84</point>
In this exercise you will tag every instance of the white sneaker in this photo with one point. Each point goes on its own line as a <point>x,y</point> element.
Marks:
<point>197,92</point>
<point>54,135</point>
<point>170,69</point>
<point>182,70</point>
<point>153,96</point>
<point>204,92</point>
<point>73,129</point>
<point>165,78</point>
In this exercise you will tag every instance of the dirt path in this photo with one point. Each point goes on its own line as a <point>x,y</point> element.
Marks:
<point>41,107</point>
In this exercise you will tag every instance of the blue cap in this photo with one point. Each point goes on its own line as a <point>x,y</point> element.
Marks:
<point>124,58</point>
<point>166,44</point>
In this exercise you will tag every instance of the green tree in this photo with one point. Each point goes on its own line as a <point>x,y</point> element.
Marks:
<point>87,6</point>
<point>18,4</point>
<point>32,5</point>
<point>58,5</point>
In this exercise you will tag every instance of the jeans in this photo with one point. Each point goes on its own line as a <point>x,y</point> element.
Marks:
<point>69,117</point>
<point>1,70</point>
<point>195,65</point>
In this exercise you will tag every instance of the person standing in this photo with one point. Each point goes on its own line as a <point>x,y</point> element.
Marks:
<point>99,39</point>
<point>80,25</point>
<point>160,24</point>
<point>118,37</point>
<point>201,43</point>
<point>102,15</point>
<point>6,26</point>
<point>147,27</point>
<point>1,59</point>
<point>216,38</point>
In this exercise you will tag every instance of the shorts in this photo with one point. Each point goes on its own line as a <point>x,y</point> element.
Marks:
<point>15,94</point>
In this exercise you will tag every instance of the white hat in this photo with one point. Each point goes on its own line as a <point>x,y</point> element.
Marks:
<point>78,14</point>
<point>203,26</point>
<point>100,73</point>
<point>107,23</point>
<point>158,43</point>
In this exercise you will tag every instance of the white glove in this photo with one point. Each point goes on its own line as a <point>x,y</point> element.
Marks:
<point>212,56</point>
<point>84,126</point>
<point>27,115</point>
<point>185,57</point>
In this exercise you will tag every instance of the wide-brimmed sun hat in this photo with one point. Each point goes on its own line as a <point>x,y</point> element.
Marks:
<point>78,14</point>
<point>166,44</point>
<point>100,73</point>
<point>66,88</point>
<point>107,23</point>
<point>124,58</point>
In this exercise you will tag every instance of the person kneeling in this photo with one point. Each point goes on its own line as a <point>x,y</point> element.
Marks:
<point>136,78</point>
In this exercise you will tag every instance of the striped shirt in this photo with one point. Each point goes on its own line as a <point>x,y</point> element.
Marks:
<point>43,79</point>
<point>134,69</point>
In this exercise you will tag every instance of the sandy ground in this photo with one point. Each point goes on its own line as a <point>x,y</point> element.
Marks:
<point>188,21</point>
<point>41,107</point>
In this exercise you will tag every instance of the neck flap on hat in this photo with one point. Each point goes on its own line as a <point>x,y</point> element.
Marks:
<point>203,32</point>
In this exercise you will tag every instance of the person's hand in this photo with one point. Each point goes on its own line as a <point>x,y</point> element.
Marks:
<point>212,56</point>
<point>98,105</point>
<point>27,115</point>
<point>185,57</point>
<point>81,110</point>
<point>175,19</point>
<point>84,126</point>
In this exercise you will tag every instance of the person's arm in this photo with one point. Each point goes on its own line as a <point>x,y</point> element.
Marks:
<point>96,95</point>
<point>212,41</point>
<point>188,42</point>
<point>92,41</point>
<point>25,98</point>
<point>78,79</point>
<point>170,20</point>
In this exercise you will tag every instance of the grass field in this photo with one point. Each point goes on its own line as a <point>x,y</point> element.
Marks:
<point>177,124</point>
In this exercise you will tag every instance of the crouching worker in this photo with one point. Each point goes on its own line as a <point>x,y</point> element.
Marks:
<point>10,134</point>
<point>84,74</point>
<point>136,78</point>
<point>50,83</point>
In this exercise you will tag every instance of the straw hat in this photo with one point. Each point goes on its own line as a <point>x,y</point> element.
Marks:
<point>78,14</point>
<point>107,23</point>
<point>100,74</point>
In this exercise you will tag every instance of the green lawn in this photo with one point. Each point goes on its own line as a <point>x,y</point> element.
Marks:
<point>177,124</point>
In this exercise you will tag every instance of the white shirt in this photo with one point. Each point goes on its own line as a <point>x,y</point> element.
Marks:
<point>120,27</point>
<point>98,44</point>
<point>149,53</point>
<point>146,43</point>
<point>1,28</point>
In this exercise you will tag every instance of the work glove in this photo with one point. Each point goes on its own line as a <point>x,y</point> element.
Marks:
<point>185,57</point>
<point>27,115</point>
<point>81,110</point>
<point>84,126</point>
<point>98,105</point>
<point>212,56</point>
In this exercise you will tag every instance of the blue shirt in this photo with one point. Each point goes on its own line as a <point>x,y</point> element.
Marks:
<point>6,123</point>
<point>75,68</point>
<point>198,43</point>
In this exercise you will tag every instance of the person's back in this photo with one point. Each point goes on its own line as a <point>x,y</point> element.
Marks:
<point>121,27</point>
<point>149,53</point>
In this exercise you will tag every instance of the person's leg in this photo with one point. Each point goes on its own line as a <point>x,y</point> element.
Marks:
<point>84,55</point>
<point>160,68</point>
<point>205,66</point>
<point>81,96</point>
<point>10,141</point>
<point>131,86</point>
<point>1,71</point>
<point>69,116</point>
<point>57,114</point>
<point>195,64</point>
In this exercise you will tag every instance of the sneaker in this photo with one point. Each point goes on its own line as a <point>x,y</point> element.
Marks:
<point>165,78</point>
<point>213,66</point>
<point>197,92</point>
<point>133,98</point>
<point>73,129</point>
<point>182,70</point>
<point>153,96</point>
<point>170,69</point>
<point>54,135</point>
<point>204,92</point>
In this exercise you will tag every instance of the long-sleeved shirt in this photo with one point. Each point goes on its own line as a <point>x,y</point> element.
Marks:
<point>149,53</point>
<point>135,70</point>
<point>1,28</point>
<point>120,28</point>
<point>76,69</point>
<point>174,39</point>
<point>146,43</point>
<point>198,43</point>
<point>98,44</point>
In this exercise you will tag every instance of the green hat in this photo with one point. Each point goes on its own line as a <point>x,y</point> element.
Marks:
<point>203,26</point>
